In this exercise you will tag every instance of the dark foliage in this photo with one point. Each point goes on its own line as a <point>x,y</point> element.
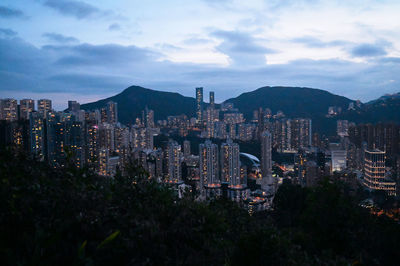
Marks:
<point>72,216</point>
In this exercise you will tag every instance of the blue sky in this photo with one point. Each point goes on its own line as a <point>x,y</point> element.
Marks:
<point>87,50</point>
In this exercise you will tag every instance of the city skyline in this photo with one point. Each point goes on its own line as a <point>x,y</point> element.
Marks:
<point>204,132</point>
<point>94,49</point>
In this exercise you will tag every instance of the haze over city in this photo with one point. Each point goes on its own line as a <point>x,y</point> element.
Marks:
<point>88,50</point>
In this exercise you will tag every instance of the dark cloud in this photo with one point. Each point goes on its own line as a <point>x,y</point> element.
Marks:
<point>7,12</point>
<point>59,38</point>
<point>390,60</point>
<point>101,55</point>
<point>7,32</point>
<point>368,50</point>
<point>77,9</point>
<point>103,70</point>
<point>114,27</point>
<point>313,42</point>
<point>242,48</point>
<point>100,83</point>
<point>21,57</point>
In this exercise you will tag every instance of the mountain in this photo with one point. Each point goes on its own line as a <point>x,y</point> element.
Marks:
<point>294,102</point>
<point>385,109</point>
<point>133,100</point>
<point>385,97</point>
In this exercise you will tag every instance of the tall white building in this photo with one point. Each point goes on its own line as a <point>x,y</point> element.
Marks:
<point>375,172</point>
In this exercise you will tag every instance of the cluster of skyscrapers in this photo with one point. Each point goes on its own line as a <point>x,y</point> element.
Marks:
<point>95,139</point>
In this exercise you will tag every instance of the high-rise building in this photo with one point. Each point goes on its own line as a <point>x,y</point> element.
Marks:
<point>55,128</point>
<point>26,106</point>
<point>186,148</point>
<point>199,104</point>
<point>385,137</point>
<point>375,174</point>
<point>142,138</point>
<point>338,157</point>
<point>301,133</point>
<point>266,156</point>
<point>174,162</point>
<point>37,134</point>
<point>8,109</point>
<point>149,118</point>
<point>312,174</point>
<point>246,131</point>
<point>210,122</point>
<point>92,143</point>
<point>212,99</point>
<point>75,142</point>
<point>44,106</point>
<point>112,112</point>
<point>230,163</point>
<point>106,136</point>
<point>73,106</point>
<point>108,163</point>
<point>209,177</point>
<point>103,115</point>
<point>342,128</point>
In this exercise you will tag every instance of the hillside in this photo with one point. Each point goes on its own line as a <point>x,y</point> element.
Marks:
<point>385,109</point>
<point>133,100</point>
<point>293,101</point>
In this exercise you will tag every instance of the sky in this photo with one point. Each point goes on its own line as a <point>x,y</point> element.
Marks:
<point>88,50</point>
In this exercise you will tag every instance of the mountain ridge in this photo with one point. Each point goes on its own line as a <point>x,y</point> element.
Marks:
<point>292,101</point>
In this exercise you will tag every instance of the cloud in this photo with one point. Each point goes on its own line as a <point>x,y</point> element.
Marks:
<point>242,48</point>
<point>218,3</point>
<point>59,38</point>
<point>101,55</point>
<point>98,82</point>
<point>197,41</point>
<point>7,12</point>
<point>313,42</point>
<point>114,27</point>
<point>103,70</point>
<point>389,60</point>
<point>368,50</point>
<point>7,32</point>
<point>168,47</point>
<point>77,9</point>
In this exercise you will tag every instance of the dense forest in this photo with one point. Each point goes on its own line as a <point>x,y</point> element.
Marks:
<point>72,216</point>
